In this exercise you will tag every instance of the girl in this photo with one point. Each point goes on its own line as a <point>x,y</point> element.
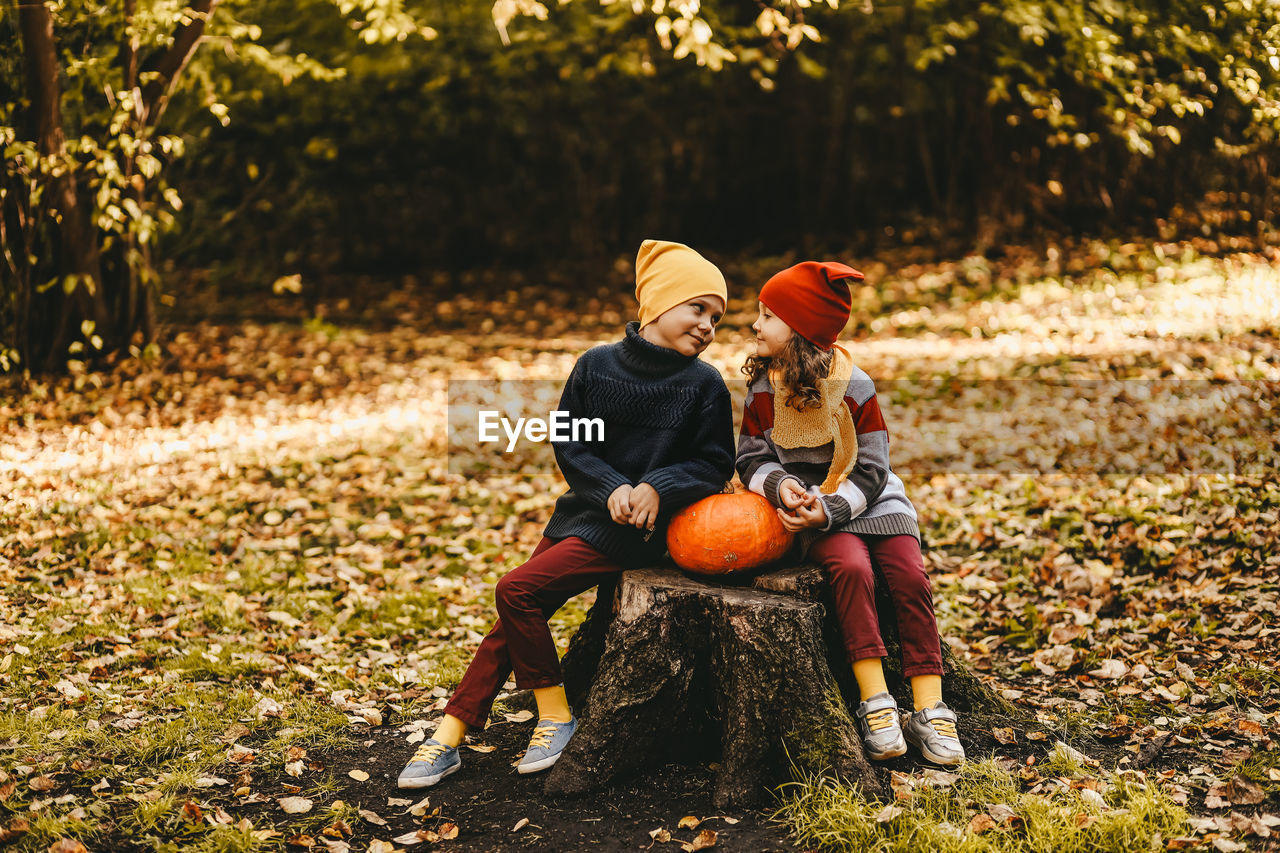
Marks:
<point>813,442</point>
<point>668,441</point>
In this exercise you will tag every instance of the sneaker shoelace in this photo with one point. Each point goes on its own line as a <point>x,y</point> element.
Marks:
<point>542,737</point>
<point>878,721</point>
<point>428,752</point>
<point>946,728</point>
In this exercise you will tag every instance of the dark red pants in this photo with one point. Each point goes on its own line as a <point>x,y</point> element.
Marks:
<point>520,641</point>
<point>851,563</point>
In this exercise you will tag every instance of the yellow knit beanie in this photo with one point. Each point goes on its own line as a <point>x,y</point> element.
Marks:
<point>668,274</point>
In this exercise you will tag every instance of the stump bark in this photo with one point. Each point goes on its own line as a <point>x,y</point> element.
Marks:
<point>750,675</point>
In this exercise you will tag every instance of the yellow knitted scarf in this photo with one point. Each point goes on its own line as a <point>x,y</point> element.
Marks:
<point>831,421</point>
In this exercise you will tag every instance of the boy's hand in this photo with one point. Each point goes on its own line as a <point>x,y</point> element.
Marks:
<point>791,493</point>
<point>619,504</point>
<point>811,514</point>
<point>644,506</point>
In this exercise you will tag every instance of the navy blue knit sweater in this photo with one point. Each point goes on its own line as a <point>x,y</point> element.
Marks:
<point>668,422</point>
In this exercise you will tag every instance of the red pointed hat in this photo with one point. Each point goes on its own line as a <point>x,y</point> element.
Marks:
<point>812,298</point>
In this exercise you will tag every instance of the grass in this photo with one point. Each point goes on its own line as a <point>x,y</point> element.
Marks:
<point>987,809</point>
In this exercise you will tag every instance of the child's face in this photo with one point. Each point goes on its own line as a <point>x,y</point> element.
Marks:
<point>689,327</point>
<point>771,333</point>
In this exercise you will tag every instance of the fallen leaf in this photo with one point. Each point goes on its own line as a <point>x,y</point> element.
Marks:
<point>397,801</point>
<point>42,784</point>
<point>688,822</point>
<point>379,846</point>
<point>939,778</point>
<point>902,784</point>
<point>192,812</point>
<point>704,839</point>
<point>300,841</point>
<point>67,845</point>
<point>660,835</point>
<point>295,805</point>
<point>1005,736</point>
<point>294,768</point>
<point>358,775</point>
<point>520,824</point>
<point>1244,793</point>
<point>372,816</point>
<point>372,716</point>
<point>519,716</point>
<point>416,737</point>
<point>981,823</point>
<point>1093,798</point>
<point>338,829</point>
<point>1110,669</point>
<point>888,813</point>
<point>480,747</point>
<point>410,838</point>
<point>1004,816</point>
<point>448,831</point>
<point>17,827</point>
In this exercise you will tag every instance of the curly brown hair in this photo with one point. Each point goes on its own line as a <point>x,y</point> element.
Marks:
<point>802,365</point>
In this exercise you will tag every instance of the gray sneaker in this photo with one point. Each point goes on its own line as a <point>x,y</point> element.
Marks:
<point>432,762</point>
<point>881,729</point>
<point>933,732</point>
<point>548,741</point>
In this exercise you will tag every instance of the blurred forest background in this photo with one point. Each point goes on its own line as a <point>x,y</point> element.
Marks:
<point>154,148</point>
<point>257,256</point>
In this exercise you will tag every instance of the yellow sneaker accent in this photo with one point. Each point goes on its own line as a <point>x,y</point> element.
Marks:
<point>428,752</point>
<point>451,731</point>
<point>553,704</point>
<point>946,728</point>
<point>926,691</point>
<point>870,675</point>
<point>542,736</point>
<point>878,721</point>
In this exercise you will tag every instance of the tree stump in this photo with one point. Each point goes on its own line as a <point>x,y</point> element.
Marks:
<point>751,675</point>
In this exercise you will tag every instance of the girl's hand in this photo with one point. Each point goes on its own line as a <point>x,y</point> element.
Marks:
<point>619,504</point>
<point>791,493</point>
<point>644,506</point>
<point>811,514</point>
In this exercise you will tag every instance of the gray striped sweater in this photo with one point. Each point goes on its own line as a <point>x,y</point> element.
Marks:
<point>871,500</point>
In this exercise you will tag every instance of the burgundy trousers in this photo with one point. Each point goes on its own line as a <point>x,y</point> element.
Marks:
<point>521,641</point>
<point>851,562</point>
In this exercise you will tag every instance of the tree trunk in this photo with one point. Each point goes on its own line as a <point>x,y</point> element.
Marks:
<point>60,312</point>
<point>110,294</point>
<point>669,668</point>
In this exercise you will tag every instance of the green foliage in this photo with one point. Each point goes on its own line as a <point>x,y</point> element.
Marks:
<point>582,134</point>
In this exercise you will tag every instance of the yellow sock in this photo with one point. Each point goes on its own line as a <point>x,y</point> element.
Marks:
<point>926,691</point>
<point>553,705</point>
<point>870,675</point>
<point>451,731</point>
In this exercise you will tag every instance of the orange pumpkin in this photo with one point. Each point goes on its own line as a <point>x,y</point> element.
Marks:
<point>727,533</point>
